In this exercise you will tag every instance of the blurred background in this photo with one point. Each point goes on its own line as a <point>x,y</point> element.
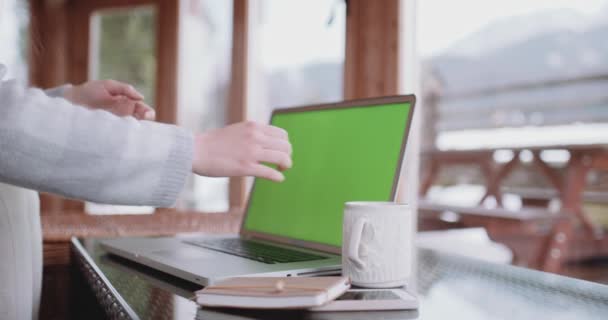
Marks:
<point>509,154</point>
<point>514,133</point>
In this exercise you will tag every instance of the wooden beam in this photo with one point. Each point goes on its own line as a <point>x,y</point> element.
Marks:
<point>79,17</point>
<point>50,64</point>
<point>237,106</point>
<point>552,175</point>
<point>48,45</point>
<point>372,49</point>
<point>167,35</point>
<point>600,161</point>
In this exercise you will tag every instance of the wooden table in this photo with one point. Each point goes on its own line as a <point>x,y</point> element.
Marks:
<point>569,186</point>
<point>448,287</point>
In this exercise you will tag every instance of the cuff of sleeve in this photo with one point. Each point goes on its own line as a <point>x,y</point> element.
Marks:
<point>177,169</point>
<point>57,92</point>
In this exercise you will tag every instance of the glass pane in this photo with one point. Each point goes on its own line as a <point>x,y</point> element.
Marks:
<point>204,80</point>
<point>14,36</point>
<point>537,71</point>
<point>520,89</point>
<point>297,54</point>
<point>124,47</point>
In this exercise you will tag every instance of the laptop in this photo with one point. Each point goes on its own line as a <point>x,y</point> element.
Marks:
<point>347,151</point>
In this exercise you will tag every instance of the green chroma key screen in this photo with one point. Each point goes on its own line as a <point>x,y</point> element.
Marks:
<point>339,155</point>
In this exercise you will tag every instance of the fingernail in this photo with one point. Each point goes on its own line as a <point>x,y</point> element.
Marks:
<point>150,115</point>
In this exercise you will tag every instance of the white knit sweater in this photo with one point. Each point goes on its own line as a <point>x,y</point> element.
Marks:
<point>48,144</point>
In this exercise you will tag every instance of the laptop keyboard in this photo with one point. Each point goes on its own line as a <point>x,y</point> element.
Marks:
<point>255,250</point>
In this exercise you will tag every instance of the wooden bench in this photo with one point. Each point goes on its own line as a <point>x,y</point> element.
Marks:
<point>537,237</point>
<point>540,197</point>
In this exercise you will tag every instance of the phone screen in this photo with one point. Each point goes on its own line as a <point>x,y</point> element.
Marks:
<point>369,295</point>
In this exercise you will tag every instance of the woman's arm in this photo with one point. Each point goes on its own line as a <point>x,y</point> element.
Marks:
<point>116,97</point>
<point>50,145</point>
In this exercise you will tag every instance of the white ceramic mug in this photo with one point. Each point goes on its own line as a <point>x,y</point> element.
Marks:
<point>377,244</point>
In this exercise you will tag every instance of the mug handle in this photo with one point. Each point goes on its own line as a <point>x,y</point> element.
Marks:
<point>355,241</point>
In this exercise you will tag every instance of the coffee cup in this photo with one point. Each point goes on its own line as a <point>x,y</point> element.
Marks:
<point>377,244</point>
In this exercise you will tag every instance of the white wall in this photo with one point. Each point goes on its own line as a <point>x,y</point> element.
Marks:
<point>13,16</point>
<point>409,82</point>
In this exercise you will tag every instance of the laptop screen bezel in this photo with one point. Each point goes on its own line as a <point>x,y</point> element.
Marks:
<point>359,103</point>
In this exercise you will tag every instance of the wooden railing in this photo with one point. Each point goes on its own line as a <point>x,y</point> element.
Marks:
<point>551,102</point>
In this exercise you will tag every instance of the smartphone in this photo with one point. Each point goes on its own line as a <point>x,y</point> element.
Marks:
<point>372,299</point>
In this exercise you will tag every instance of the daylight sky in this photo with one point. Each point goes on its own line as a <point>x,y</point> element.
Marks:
<point>443,22</point>
<point>440,24</point>
<point>293,33</point>
<point>296,32</point>
<point>9,51</point>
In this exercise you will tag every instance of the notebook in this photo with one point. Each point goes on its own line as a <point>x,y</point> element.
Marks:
<point>273,292</point>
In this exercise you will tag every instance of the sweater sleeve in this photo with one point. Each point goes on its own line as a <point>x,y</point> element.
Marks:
<point>50,145</point>
<point>57,92</point>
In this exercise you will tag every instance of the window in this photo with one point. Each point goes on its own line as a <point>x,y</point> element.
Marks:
<point>123,47</point>
<point>515,75</point>
<point>535,58</point>
<point>204,80</point>
<point>14,20</point>
<point>516,92</point>
<point>296,54</point>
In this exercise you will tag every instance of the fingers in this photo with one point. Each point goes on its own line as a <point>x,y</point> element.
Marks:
<point>144,112</point>
<point>282,159</point>
<point>275,132</point>
<point>277,144</point>
<point>124,107</point>
<point>116,88</point>
<point>275,138</point>
<point>265,172</point>
<point>121,107</point>
<point>277,149</point>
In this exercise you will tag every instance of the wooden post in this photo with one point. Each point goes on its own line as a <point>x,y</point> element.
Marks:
<point>572,191</point>
<point>167,36</point>
<point>494,181</point>
<point>79,18</point>
<point>50,65</point>
<point>237,106</point>
<point>48,43</point>
<point>371,65</point>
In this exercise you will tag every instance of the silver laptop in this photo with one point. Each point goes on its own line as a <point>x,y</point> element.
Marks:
<point>349,151</point>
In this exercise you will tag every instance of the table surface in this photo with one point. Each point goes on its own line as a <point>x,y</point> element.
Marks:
<point>448,286</point>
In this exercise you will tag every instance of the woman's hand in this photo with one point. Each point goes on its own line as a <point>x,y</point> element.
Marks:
<point>240,149</point>
<point>113,96</point>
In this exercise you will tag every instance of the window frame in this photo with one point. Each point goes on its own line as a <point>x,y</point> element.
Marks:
<point>371,58</point>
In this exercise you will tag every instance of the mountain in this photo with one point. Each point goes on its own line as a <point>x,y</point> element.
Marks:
<point>555,45</point>
<point>563,52</point>
<point>515,29</point>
